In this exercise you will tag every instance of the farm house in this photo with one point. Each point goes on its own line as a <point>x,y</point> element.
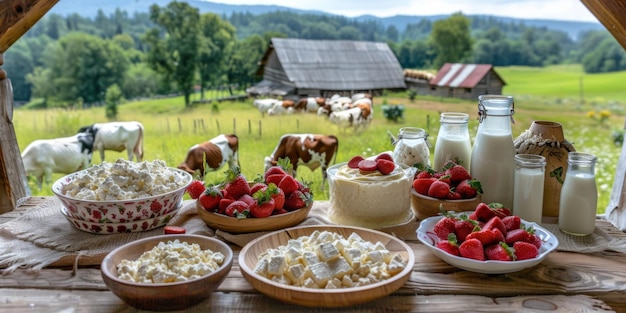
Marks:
<point>302,67</point>
<point>466,81</point>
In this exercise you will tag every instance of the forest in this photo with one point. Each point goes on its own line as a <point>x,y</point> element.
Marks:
<point>75,61</point>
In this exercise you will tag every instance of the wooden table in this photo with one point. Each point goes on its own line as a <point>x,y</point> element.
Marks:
<point>564,282</point>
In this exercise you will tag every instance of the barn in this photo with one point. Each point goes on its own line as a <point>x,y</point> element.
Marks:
<point>466,81</point>
<point>301,67</point>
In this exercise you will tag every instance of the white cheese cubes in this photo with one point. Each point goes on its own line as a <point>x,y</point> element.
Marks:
<point>170,261</point>
<point>328,260</point>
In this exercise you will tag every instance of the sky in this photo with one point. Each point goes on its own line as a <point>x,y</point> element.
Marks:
<point>567,10</point>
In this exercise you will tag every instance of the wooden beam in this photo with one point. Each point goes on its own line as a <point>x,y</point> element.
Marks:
<point>612,14</point>
<point>18,16</point>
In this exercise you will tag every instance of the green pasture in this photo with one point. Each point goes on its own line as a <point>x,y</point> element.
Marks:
<point>170,129</point>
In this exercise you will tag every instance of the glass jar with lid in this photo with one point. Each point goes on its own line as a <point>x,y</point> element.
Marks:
<point>412,147</point>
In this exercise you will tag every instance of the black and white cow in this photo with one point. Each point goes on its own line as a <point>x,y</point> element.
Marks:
<point>117,136</point>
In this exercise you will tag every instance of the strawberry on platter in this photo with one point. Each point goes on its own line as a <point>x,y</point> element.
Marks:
<point>503,243</point>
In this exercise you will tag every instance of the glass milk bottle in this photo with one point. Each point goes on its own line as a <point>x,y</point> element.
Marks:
<point>529,179</point>
<point>453,140</point>
<point>492,153</point>
<point>579,195</point>
<point>412,147</point>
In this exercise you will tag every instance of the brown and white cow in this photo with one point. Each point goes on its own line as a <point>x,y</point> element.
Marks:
<point>310,104</point>
<point>356,117</point>
<point>281,107</point>
<point>310,150</point>
<point>213,153</point>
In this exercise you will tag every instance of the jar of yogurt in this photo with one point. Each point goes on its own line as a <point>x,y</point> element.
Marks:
<point>579,195</point>
<point>453,140</point>
<point>529,180</point>
<point>412,147</point>
<point>492,161</point>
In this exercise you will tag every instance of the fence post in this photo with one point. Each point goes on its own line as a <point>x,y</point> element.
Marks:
<point>249,127</point>
<point>260,127</point>
<point>194,125</point>
<point>217,122</point>
<point>234,125</point>
<point>180,125</point>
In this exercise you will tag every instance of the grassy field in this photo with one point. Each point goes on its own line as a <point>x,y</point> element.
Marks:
<point>170,129</point>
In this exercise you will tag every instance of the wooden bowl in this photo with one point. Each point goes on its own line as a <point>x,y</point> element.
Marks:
<point>426,207</point>
<point>164,296</point>
<point>323,297</point>
<point>252,224</point>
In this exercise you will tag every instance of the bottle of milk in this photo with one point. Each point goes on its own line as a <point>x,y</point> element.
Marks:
<point>492,156</point>
<point>579,195</point>
<point>453,141</point>
<point>529,179</point>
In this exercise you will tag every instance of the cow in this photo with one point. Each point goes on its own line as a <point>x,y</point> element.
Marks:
<point>310,104</point>
<point>310,150</point>
<point>356,117</point>
<point>263,105</point>
<point>117,136</point>
<point>64,155</point>
<point>283,106</point>
<point>213,153</point>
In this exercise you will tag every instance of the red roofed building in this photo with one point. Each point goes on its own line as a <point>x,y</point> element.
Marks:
<point>466,81</point>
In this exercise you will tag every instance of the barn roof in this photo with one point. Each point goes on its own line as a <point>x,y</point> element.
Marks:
<point>337,64</point>
<point>458,75</point>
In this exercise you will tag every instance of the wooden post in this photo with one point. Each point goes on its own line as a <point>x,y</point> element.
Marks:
<point>616,210</point>
<point>16,17</point>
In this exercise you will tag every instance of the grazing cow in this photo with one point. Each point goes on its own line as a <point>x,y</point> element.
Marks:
<point>310,150</point>
<point>362,95</point>
<point>311,104</point>
<point>213,153</point>
<point>64,155</point>
<point>263,105</point>
<point>356,117</point>
<point>283,106</point>
<point>117,136</point>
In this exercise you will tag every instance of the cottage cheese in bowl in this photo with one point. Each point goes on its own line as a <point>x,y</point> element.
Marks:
<point>369,200</point>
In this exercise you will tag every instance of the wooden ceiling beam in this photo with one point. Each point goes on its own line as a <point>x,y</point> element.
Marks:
<point>612,14</point>
<point>18,16</point>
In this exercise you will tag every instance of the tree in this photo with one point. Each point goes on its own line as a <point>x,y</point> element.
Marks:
<point>174,45</point>
<point>452,39</point>
<point>242,60</point>
<point>216,36</point>
<point>112,98</point>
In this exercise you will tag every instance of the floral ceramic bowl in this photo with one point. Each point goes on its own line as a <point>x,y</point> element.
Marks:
<point>122,211</point>
<point>118,228</point>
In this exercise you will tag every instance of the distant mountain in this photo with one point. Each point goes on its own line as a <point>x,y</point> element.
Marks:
<point>81,7</point>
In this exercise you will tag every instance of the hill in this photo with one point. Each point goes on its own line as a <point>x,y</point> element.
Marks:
<point>68,7</point>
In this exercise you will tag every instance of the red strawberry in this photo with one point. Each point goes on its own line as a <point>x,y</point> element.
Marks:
<point>367,165</point>
<point>464,227</point>
<point>248,199</point>
<point>295,200</point>
<point>421,185</point>
<point>274,178</point>
<point>195,189</point>
<point>499,252</point>
<point>305,187</point>
<point>424,174</point>
<point>536,240</point>
<point>519,234</point>
<point>280,211</point>
<point>236,183</point>
<point>444,227</point>
<point>450,245</point>
<point>354,162</point>
<point>223,204</point>
<point>288,184</point>
<point>485,236</point>
<point>263,206</point>
<point>256,187</point>
<point>384,156</point>
<point>210,199</point>
<point>525,250</point>
<point>385,166</point>
<point>274,170</point>
<point>495,223</point>
<point>237,209</point>
<point>499,210</point>
<point>468,188</point>
<point>512,222</point>
<point>171,229</point>
<point>457,173</point>
<point>278,195</point>
<point>439,190</point>
<point>453,195</point>
<point>485,212</point>
<point>473,249</point>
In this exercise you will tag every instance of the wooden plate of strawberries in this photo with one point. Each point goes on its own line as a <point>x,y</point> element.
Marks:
<point>487,240</point>
<point>238,206</point>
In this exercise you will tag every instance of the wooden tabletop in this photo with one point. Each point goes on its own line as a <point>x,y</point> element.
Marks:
<point>564,282</point>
